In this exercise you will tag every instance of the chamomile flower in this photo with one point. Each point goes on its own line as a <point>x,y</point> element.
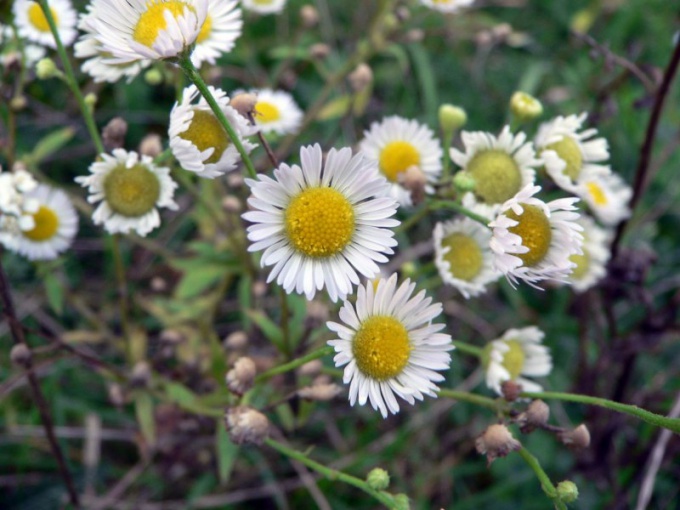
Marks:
<point>607,197</point>
<point>463,256</point>
<point>276,111</point>
<point>396,144</point>
<point>133,30</point>
<point>500,166</point>
<point>264,6</point>
<point>12,49</point>
<point>16,207</point>
<point>568,150</point>
<point>447,5</point>
<point>198,140</point>
<point>518,352</point>
<point>591,264</point>
<point>322,223</point>
<point>389,346</point>
<point>221,28</point>
<point>129,188</point>
<point>32,23</point>
<point>55,224</point>
<point>533,240</point>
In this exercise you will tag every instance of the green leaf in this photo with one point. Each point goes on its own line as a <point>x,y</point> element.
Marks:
<point>335,108</point>
<point>245,298</point>
<point>426,80</point>
<point>226,453</point>
<point>180,394</point>
<point>55,293</point>
<point>199,279</point>
<point>145,418</point>
<point>273,332</point>
<point>49,145</point>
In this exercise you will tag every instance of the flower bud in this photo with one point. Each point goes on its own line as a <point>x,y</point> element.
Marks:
<point>151,145</point>
<point>153,76</point>
<point>319,392</point>
<point>536,415</point>
<point>240,378</point>
<point>46,69</point>
<point>90,100</point>
<point>451,118</point>
<point>463,181</point>
<point>401,502</point>
<point>378,479</point>
<point>525,107</point>
<point>18,103</point>
<point>20,354</point>
<point>311,368</point>
<point>246,425</point>
<point>496,441</point>
<point>309,16</point>
<point>361,77</point>
<point>567,491</point>
<point>510,390</point>
<point>244,104</point>
<point>578,438</point>
<point>113,134</point>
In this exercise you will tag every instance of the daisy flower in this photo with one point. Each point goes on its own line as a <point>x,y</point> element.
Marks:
<point>390,345</point>
<point>607,197</point>
<point>320,224</point>
<point>276,111</point>
<point>32,24</point>
<point>55,224</point>
<point>133,30</point>
<point>500,166</point>
<point>518,352</point>
<point>591,265</point>
<point>129,188</point>
<point>16,208</point>
<point>463,256</point>
<point>221,28</point>
<point>533,240</point>
<point>396,144</point>
<point>447,5</point>
<point>11,49</point>
<point>568,151</point>
<point>198,140</point>
<point>264,6</point>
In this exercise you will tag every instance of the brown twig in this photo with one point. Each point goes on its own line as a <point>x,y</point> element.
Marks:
<point>19,338</point>
<point>265,144</point>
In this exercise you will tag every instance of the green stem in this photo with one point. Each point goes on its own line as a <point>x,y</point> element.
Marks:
<point>331,474</point>
<point>543,478</point>
<point>195,77</point>
<point>672,424</point>
<point>122,288</point>
<point>465,396</point>
<point>292,365</point>
<point>450,204</point>
<point>71,79</point>
<point>467,348</point>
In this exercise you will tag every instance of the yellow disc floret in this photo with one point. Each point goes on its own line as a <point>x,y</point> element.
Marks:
<point>205,30</point>
<point>496,174</point>
<point>37,18</point>
<point>397,157</point>
<point>266,112</point>
<point>534,229</point>
<point>513,359</point>
<point>464,256</point>
<point>381,347</point>
<point>132,192</point>
<point>46,225</point>
<point>598,194</point>
<point>319,222</point>
<point>206,132</point>
<point>568,151</point>
<point>152,21</point>
<point>582,263</point>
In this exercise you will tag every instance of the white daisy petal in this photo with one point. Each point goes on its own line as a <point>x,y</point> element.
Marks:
<point>447,6</point>
<point>264,6</point>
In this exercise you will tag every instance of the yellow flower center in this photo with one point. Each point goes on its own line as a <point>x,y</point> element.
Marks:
<point>319,222</point>
<point>152,21</point>
<point>497,176</point>
<point>397,157</point>
<point>205,30</point>
<point>132,192</point>
<point>582,263</point>
<point>534,229</point>
<point>513,359</point>
<point>464,256</point>
<point>37,18</point>
<point>598,194</point>
<point>568,151</point>
<point>381,347</point>
<point>263,2</point>
<point>266,112</point>
<point>205,132</point>
<point>46,225</point>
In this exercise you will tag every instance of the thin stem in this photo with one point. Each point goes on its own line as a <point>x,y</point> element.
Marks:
<point>71,80</point>
<point>543,478</point>
<point>672,424</point>
<point>465,396</point>
<point>292,365</point>
<point>332,474</point>
<point>264,142</point>
<point>122,288</point>
<point>195,77</point>
<point>450,204</point>
<point>467,348</point>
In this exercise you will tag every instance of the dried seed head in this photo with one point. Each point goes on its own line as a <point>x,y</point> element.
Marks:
<point>309,16</point>
<point>246,425</point>
<point>415,35</point>
<point>113,134</point>
<point>578,438</point>
<point>361,77</point>
<point>510,390</point>
<point>141,374</point>
<point>259,288</point>
<point>20,354</point>
<point>240,378</point>
<point>311,368</point>
<point>319,392</point>
<point>116,395</point>
<point>158,284</point>
<point>235,180</point>
<point>232,204</point>
<point>378,479</point>
<point>319,51</point>
<point>244,104</point>
<point>151,145</point>
<point>414,180</point>
<point>536,415</point>
<point>236,340</point>
<point>171,336</point>
<point>496,441</point>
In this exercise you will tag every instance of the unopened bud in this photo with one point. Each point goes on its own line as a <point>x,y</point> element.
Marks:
<point>244,104</point>
<point>90,100</point>
<point>311,368</point>
<point>141,374</point>
<point>236,340</point>
<point>20,354</point>
<point>463,181</point>
<point>578,438</point>
<point>113,134</point>
<point>414,180</point>
<point>361,77</point>
<point>232,204</point>
<point>319,392</point>
<point>410,270</point>
<point>451,118</point>
<point>319,51</point>
<point>536,415</point>
<point>151,145</point>
<point>18,103</point>
<point>240,378</point>
<point>246,425</point>
<point>378,479</point>
<point>153,76</point>
<point>46,69</point>
<point>525,107</point>
<point>401,502</point>
<point>567,491</point>
<point>496,441</point>
<point>510,390</point>
<point>309,16</point>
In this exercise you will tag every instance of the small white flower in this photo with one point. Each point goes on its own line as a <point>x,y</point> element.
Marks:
<point>55,224</point>
<point>500,166</point>
<point>264,6</point>
<point>591,265</point>
<point>129,189</point>
<point>221,28</point>
<point>198,140</point>
<point>16,207</point>
<point>447,5</point>
<point>32,23</point>
<point>518,352</point>
<point>607,197</point>
<point>396,144</point>
<point>568,153</point>
<point>533,240</point>
<point>133,30</point>
<point>463,256</point>
<point>390,345</point>
<point>322,223</point>
<point>276,111</point>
